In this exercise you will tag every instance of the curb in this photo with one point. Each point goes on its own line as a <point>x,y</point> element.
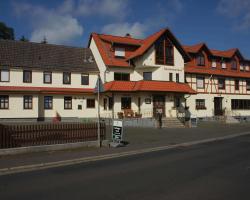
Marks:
<point>27,168</point>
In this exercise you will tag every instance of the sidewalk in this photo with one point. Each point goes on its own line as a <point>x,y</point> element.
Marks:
<point>138,138</point>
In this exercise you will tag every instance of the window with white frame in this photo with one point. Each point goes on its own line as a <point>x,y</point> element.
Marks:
<point>4,75</point>
<point>214,63</point>
<point>223,65</point>
<point>200,84</point>
<point>242,67</point>
<point>221,83</point>
<point>119,52</point>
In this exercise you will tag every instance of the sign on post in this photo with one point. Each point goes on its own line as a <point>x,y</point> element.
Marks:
<point>117,131</point>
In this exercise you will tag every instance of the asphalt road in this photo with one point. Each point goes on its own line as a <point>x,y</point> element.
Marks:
<point>219,170</point>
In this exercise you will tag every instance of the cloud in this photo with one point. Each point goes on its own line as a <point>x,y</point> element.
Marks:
<point>57,27</point>
<point>135,29</point>
<point>155,22</point>
<point>61,24</point>
<point>111,8</point>
<point>236,10</point>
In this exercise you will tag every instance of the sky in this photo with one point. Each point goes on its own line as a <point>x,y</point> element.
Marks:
<point>221,24</point>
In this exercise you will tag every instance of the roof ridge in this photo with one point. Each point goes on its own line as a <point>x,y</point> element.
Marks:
<point>42,44</point>
<point>100,34</point>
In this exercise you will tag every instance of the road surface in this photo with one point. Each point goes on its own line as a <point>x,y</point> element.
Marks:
<point>218,170</point>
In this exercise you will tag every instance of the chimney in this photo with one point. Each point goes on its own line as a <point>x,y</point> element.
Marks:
<point>128,35</point>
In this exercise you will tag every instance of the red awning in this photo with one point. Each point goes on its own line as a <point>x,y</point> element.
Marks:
<point>46,90</point>
<point>150,86</point>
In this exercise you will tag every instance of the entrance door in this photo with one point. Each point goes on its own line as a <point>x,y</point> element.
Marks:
<point>158,105</point>
<point>218,111</point>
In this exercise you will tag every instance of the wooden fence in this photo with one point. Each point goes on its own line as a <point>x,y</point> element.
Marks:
<point>23,135</point>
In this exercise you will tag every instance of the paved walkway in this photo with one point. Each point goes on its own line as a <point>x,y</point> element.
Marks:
<point>138,138</point>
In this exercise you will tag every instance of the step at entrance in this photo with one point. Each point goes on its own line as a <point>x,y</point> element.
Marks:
<point>171,122</point>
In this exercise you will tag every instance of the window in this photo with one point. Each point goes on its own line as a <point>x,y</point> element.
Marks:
<point>79,107</point>
<point>234,64</point>
<point>66,77</point>
<point>27,102</point>
<point>248,84</point>
<point>121,76</point>
<point>4,75</point>
<point>48,102</point>
<point>200,59</point>
<point>200,84</point>
<point>119,52</point>
<point>200,104</point>
<point>27,76</point>
<point>177,78</point>
<point>126,103</point>
<point>170,76</point>
<point>67,103</point>
<point>240,104</point>
<point>214,64</point>
<point>85,79</point>
<point>242,67</point>
<point>110,103</point>
<point>147,76</point>
<point>105,102</point>
<point>90,103</point>
<point>221,83</point>
<point>47,77</point>
<point>4,102</point>
<point>236,84</point>
<point>164,52</point>
<point>223,65</point>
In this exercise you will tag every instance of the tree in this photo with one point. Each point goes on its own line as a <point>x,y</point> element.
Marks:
<point>6,33</point>
<point>24,39</point>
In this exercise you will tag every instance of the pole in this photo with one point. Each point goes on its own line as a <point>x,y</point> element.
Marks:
<point>98,104</point>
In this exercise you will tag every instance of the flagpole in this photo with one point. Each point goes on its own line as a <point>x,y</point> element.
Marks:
<point>98,104</point>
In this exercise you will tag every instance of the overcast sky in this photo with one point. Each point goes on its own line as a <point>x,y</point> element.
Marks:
<point>222,24</point>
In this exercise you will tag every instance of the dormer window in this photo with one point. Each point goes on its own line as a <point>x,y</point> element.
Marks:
<point>223,64</point>
<point>242,67</point>
<point>234,64</point>
<point>164,52</point>
<point>119,52</point>
<point>200,59</point>
<point>213,63</point>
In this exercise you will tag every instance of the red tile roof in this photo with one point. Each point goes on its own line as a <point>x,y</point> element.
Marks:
<point>220,72</point>
<point>47,90</point>
<point>193,48</point>
<point>121,40</point>
<point>226,54</point>
<point>104,44</point>
<point>147,43</point>
<point>150,86</point>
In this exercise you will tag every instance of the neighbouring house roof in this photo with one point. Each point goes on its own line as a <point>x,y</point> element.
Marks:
<point>46,90</point>
<point>46,56</point>
<point>219,72</point>
<point>105,43</point>
<point>148,86</point>
<point>225,54</point>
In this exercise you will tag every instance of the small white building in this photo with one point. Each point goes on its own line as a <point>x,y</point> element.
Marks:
<point>42,81</point>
